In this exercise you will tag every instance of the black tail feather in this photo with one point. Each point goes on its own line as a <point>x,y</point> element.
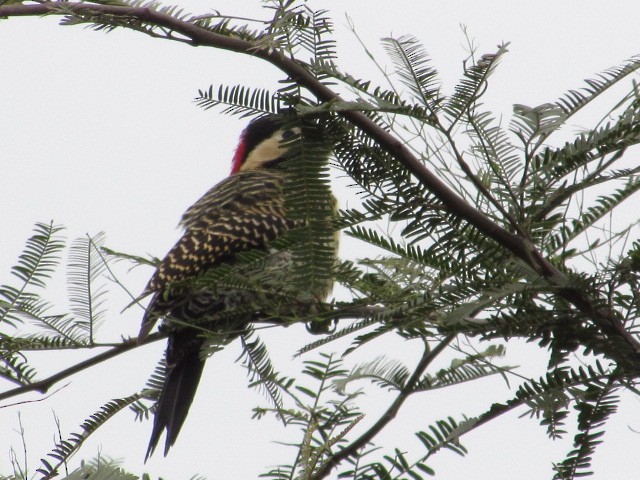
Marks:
<point>178,392</point>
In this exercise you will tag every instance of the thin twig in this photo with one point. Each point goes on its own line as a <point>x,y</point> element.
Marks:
<point>41,399</point>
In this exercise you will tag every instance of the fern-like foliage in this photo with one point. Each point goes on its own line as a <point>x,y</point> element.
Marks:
<point>387,373</point>
<point>414,69</point>
<point>238,100</point>
<point>602,207</point>
<point>151,392</point>
<point>35,265</point>
<point>574,100</point>
<point>323,417</point>
<point>308,199</point>
<point>23,303</point>
<point>444,434</point>
<point>84,271</point>
<point>261,372</point>
<point>472,86</point>
<point>599,401</point>
<point>393,374</point>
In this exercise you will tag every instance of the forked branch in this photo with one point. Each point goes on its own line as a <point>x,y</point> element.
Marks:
<point>352,449</point>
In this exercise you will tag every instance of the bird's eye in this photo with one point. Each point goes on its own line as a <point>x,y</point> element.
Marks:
<point>290,133</point>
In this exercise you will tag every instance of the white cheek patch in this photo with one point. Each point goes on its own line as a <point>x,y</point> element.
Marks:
<point>266,151</point>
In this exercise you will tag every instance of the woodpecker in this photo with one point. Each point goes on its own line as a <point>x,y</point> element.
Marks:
<point>243,212</point>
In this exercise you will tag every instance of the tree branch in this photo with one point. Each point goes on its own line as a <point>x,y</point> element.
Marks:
<point>627,351</point>
<point>42,386</point>
<point>427,357</point>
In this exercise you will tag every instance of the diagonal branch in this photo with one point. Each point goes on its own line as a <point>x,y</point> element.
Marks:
<point>299,74</point>
<point>627,350</point>
<point>42,386</point>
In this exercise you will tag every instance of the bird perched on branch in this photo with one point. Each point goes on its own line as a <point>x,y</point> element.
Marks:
<point>243,213</point>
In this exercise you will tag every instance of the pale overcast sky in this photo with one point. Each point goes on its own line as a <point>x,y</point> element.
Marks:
<point>99,133</point>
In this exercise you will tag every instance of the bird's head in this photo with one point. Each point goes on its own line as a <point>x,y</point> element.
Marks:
<point>263,144</point>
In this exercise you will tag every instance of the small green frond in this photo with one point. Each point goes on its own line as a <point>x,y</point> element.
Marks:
<point>549,396</point>
<point>309,200</point>
<point>413,67</point>
<point>142,409</point>
<point>598,402</point>
<point>281,472</point>
<point>62,329</point>
<point>550,407</point>
<point>151,392</point>
<point>262,374</point>
<point>329,69</point>
<point>101,468</point>
<point>492,147</point>
<point>38,342</point>
<point>552,165</point>
<point>564,192</point>
<point>324,369</point>
<point>238,100</point>
<point>397,467</point>
<point>528,123</point>
<point>472,86</point>
<point>221,25</point>
<point>40,256</point>
<point>381,178</point>
<point>445,434</point>
<point>413,253</point>
<point>65,448</point>
<point>365,338</point>
<point>487,297</point>
<point>604,205</point>
<point>310,31</point>
<point>390,374</point>
<point>36,263</point>
<point>85,268</point>
<point>296,29</point>
<point>310,458</point>
<point>157,379</point>
<point>470,368</point>
<point>104,22</point>
<point>14,366</point>
<point>135,259</point>
<point>22,306</point>
<point>574,100</point>
<point>456,247</point>
<point>343,332</point>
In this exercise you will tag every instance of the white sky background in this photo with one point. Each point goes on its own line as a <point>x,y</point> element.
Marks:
<point>99,133</point>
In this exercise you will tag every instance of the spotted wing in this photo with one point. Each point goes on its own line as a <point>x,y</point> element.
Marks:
<point>242,213</point>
